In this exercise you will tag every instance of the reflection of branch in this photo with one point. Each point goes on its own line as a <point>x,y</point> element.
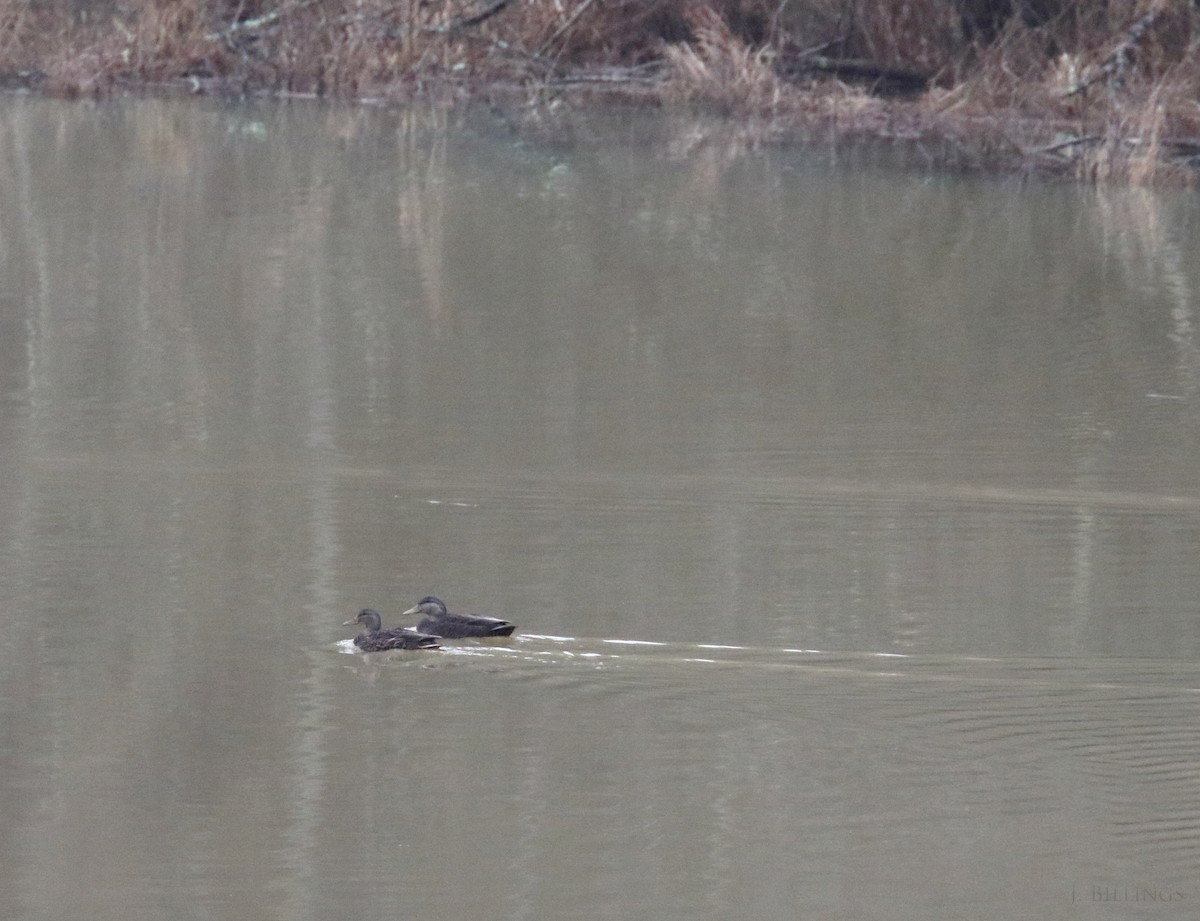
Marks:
<point>1187,149</point>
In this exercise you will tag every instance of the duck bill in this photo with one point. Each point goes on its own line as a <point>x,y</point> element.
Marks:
<point>349,623</point>
<point>412,612</point>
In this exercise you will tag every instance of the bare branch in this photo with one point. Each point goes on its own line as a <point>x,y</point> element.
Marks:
<point>467,22</point>
<point>565,27</point>
<point>1117,62</point>
<point>259,22</point>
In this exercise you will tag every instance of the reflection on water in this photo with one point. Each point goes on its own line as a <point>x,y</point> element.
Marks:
<point>848,516</point>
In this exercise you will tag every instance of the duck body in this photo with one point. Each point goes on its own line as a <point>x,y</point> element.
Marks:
<point>375,639</point>
<point>436,619</point>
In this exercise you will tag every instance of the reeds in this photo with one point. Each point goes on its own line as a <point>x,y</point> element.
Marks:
<point>1109,90</point>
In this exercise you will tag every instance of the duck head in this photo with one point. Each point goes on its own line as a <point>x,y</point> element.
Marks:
<point>368,617</point>
<point>427,607</point>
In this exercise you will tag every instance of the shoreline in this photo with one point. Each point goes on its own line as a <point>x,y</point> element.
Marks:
<point>1124,108</point>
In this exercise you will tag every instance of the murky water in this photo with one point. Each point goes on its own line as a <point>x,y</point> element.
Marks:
<point>849,515</point>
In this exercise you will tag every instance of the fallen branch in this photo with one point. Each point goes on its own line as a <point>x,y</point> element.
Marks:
<point>267,20</point>
<point>259,22</point>
<point>1118,61</point>
<point>882,79</point>
<point>467,22</point>
<point>644,75</point>
<point>1069,142</point>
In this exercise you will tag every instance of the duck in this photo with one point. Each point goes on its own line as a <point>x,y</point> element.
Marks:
<point>374,639</point>
<point>436,619</point>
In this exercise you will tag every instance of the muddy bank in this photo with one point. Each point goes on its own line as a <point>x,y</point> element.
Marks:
<point>1106,92</point>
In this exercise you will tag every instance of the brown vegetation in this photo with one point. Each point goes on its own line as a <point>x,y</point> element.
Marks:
<point>1109,90</point>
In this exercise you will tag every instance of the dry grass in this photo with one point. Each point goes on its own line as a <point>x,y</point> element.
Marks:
<point>719,68</point>
<point>1123,77</point>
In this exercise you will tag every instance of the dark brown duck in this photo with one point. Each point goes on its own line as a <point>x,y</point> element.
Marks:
<point>373,639</point>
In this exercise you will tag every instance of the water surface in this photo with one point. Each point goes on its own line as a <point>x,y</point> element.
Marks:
<point>849,515</point>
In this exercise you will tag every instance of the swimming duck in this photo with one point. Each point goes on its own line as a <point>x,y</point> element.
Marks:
<point>376,640</point>
<point>436,619</point>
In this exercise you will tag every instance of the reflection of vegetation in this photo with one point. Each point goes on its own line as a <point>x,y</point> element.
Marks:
<point>1109,89</point>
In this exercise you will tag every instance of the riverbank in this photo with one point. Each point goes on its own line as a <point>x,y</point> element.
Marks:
<point>1104,92</point>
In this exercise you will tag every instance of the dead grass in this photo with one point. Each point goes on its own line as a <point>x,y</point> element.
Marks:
<point>719,68</point>
<point>1122,78</point>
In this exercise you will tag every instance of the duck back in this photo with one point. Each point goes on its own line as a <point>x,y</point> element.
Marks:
<point>455,626</point>
<point>400,638</point>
